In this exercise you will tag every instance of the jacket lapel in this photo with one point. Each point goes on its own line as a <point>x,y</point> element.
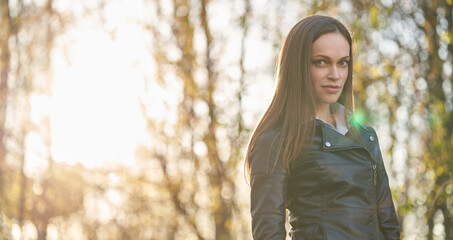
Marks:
<point>333,140</point>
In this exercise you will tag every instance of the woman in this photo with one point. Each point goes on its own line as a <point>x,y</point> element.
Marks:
<point>308,156</point>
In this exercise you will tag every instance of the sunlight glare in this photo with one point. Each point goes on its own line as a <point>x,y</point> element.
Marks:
<point>96,117</point>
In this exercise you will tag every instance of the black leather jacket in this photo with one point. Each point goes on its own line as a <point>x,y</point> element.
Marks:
<point>337,192</point>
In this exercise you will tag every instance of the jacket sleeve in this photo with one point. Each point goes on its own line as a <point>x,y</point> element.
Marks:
<point>268,190</point>
<point>388,220</point>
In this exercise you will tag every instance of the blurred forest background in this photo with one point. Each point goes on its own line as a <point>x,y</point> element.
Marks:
<point>201,74</point>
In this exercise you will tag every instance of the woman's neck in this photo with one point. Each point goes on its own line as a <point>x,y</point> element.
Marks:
<point>323,113</point>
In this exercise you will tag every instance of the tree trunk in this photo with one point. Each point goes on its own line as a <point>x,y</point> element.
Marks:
<point>23,188</point>
<point>5,33</point>
<point>42,230</point>
<point>218,177</point>
<point>448,221</point>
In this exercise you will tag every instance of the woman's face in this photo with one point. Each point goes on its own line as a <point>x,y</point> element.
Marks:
<point>329,66</point>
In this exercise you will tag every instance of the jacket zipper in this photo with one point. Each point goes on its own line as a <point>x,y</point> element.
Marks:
<point>376,220</point>
<point>374,175</point>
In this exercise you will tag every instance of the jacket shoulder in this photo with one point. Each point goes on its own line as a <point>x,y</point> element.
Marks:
<point>264,158</point>
<point>367,128</point>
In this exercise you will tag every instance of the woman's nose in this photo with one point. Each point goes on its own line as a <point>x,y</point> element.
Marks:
<point>334,74</point>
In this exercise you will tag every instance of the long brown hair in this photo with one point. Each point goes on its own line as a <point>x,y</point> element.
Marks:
<point>293,107</point>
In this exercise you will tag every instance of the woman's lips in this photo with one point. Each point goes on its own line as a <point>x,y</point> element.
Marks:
<point>331,88</point>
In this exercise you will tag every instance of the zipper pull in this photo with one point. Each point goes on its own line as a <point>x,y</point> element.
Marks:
<point>374,175</point>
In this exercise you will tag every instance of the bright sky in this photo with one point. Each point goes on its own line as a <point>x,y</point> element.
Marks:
<point>95,106</point>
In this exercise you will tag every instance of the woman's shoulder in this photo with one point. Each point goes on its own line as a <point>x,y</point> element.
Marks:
<point>264,154</point>
<point>370,137</point>
<point>367,128</point>
<point>269,135</point>
<point>362,126</point>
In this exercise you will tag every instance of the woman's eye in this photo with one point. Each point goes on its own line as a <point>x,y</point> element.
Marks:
<point>344,63</point>
<point>320,62</point>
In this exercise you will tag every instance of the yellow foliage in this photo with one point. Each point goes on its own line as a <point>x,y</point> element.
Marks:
<point>446,37</point>
<point>375,73</point>
<point>358,66</point>
<point>396,73</point>
<point>439,170</point>
<point>373,17</point>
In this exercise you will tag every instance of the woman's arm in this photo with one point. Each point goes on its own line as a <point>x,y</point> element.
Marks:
<point>268,190</point>
<point>388,220</point>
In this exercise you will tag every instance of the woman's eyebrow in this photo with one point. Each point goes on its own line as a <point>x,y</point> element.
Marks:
<point>324,56</point>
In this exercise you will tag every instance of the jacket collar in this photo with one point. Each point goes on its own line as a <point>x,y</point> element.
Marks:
<point>333,140</point>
